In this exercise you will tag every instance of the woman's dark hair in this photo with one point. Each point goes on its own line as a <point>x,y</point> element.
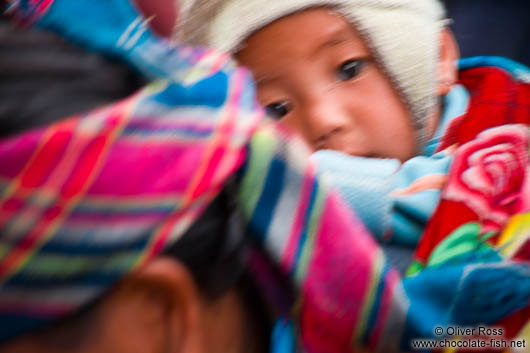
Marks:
<point>215,249</point>
<point>44,78</point>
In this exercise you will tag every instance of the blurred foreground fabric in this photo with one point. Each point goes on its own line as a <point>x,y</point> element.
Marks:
<point>70,192</point>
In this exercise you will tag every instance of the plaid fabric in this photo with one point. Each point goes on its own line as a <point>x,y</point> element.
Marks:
<point>88,200</point>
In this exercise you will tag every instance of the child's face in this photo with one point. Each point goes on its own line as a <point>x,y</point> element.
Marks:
<point>315,73</point>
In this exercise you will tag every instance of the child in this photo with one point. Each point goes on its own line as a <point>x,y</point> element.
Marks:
<point>385,88</point>
<point>369,90</point>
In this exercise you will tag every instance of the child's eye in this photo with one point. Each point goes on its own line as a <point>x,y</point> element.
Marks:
<point>278,110</point>
<point>349,69</point>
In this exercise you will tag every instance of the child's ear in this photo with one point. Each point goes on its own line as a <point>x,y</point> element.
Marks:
<point>447,67</point>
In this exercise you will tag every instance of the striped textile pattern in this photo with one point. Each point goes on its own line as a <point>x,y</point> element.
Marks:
<point>87,200</point>
<point>91,198</point>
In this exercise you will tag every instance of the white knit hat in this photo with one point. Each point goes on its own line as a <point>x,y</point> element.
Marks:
<point>402,34</point>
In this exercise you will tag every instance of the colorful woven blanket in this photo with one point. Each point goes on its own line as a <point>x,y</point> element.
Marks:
<point>483,215</point>
<point>88,200</point>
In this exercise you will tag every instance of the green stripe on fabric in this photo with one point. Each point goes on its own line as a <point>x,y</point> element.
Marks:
<point>414,268</point>
<point>312,229</point>
<point>262,149</point>
<point>370,296</point>
<point>65,266</point>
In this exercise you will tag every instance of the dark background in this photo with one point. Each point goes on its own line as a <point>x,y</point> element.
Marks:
<point>492,27</point>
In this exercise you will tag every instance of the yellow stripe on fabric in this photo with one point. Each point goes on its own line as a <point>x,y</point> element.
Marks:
<point>312,231</point>
<point>64,266</point>
<point>367,307</point>
<point>516,233</point>
<point>262,148</point>
<point>227,114</point>
<point>203,67</point>
<point>70,204</point>
<point>215,141</point>
<point>4,250</point>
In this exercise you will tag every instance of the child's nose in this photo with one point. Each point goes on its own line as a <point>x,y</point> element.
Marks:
<point>325,119</point>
